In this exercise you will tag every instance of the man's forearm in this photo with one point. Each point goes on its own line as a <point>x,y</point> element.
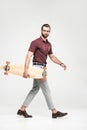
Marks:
<point>27,61</point>
<point>55,60</point>
<point>26,66</point>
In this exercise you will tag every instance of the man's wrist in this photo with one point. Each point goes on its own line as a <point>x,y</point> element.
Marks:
<point>60,64</point>
<point>25,72</point>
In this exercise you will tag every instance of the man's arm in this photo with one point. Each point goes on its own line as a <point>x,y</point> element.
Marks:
<point>57,61</point>
<point>27,62</point>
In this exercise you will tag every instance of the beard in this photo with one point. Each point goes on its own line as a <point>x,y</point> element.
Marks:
<point>45,35</point>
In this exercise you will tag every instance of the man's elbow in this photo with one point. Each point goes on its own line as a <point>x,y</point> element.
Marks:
<point>29,54</point>
<point>51,56</point>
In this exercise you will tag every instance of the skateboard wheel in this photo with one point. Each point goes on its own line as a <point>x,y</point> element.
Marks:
<point>5,73</point>
<point>7,62</point>
<point>43,79</point>
<point>44,68</point>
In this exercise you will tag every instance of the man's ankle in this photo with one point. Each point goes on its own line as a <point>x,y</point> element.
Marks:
<point>54,110</point>
<point>23,108</point>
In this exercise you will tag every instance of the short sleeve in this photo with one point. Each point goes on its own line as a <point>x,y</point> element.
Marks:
<point>32,47</point>
<point>50,51</point>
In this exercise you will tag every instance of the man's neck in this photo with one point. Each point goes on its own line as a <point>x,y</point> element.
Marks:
<point>45,39</point>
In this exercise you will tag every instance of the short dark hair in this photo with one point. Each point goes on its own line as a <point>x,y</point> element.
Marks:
<point>45,25</point>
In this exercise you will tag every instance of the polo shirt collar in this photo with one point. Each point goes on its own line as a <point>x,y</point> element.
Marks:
<point>43,40</point>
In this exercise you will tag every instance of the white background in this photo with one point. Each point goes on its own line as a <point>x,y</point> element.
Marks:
<point>20,23</point>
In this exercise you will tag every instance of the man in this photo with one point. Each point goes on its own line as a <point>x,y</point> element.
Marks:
<point>40,49</point>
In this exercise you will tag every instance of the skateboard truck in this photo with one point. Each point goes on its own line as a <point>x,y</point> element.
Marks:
<point>44,74</point>
<point>7,68</point>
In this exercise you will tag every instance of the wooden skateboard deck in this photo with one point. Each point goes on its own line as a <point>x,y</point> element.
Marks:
<point>34,72</point>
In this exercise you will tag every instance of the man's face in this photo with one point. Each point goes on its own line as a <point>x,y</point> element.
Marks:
<point>45,32</point>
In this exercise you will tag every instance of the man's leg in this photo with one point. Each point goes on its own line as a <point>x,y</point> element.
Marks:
<point>47,94</point>
<point>32,93</point>
<point>29,97</point>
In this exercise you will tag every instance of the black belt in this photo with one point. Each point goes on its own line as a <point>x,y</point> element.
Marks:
<point>37,63</point>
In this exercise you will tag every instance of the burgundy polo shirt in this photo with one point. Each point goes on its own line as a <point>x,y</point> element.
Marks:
<point>41,50</point>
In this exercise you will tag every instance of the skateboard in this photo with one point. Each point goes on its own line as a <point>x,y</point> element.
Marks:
<point>34,72</point>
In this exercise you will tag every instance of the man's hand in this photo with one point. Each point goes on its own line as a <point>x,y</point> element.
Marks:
<point>64,66</point>
<point>25,75</point>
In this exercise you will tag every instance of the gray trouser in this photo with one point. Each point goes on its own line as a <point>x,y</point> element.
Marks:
<point>37,84</point>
